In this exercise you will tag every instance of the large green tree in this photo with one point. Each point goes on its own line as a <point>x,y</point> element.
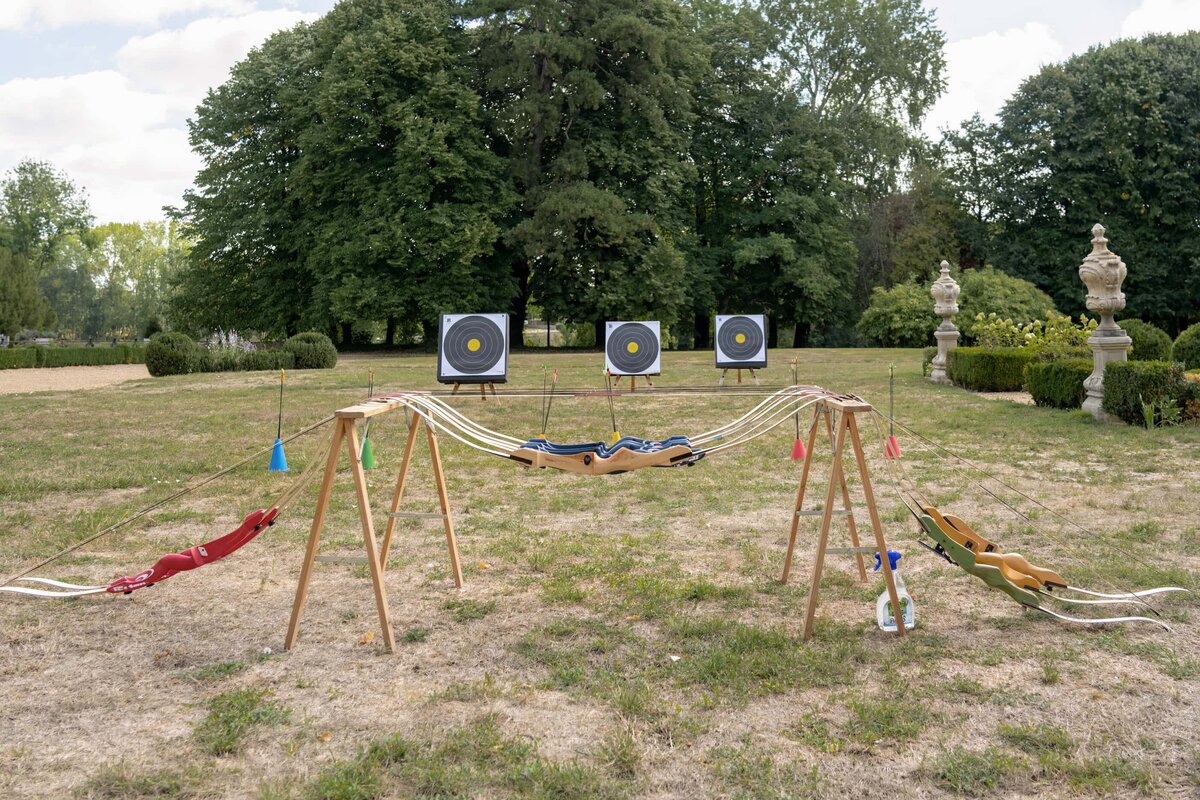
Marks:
<point>246,213</point>
<point>589,103</point>
<point>21,304</point>
<point>1108,136</point>
<point>39,207</point>
<point>404,192</point>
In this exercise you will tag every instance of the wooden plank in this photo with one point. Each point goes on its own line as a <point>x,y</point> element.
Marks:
<point>819,561</point>
<point>398,495</point>
<point>369,542</point>
<point>314,534</point>
<point>851,404</point>
<point>800,489</point>
<point>876,525</point>
<point>372,408</point>
<point>444,499</point>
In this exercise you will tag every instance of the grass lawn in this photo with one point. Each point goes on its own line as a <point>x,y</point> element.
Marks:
<point>617,636</point>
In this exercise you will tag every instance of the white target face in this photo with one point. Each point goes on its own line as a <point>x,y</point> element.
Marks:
<point>741,341</point>
<point>473,348</point>
<point>632,348</point>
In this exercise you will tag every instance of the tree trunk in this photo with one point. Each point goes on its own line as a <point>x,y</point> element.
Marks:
<point>520,303</point>
<point>772,334</point>
<point>429,334</point>
<point>347,329</point>
<point>802,335</point>
<point>599,323</point>
<point>389,338</point>
<point>703,320</point>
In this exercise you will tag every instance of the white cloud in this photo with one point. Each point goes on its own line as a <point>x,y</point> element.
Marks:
<point>1162,16</point>
<point>109,136</point>
<point>19,14</point>
<point>984,71</point>
<point>120,133</point>
<point>187,61</point>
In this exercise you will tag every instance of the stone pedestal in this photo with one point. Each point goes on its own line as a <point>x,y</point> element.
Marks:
<point>945,296</point>
<point>1105,349</point>
<point>1103,272</point>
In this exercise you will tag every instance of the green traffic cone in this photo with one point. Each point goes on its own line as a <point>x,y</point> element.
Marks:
<point>368,455</point>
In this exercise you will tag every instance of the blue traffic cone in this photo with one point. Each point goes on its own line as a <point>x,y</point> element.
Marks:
<point>278,459</point>
<point>368,455</point>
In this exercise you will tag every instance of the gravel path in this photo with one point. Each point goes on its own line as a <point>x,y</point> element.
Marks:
<point>63,379</point>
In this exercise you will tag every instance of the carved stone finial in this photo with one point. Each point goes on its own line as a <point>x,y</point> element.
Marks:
<point>945,291</point>
<point>1103,272</point>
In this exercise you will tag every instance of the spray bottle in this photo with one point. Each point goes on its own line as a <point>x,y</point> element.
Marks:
<point>883,606</point>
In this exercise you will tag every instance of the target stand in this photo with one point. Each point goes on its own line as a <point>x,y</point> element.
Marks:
<point>376,555</point>
<point>632,381</point>
<point>846,410</point>
<point>753,374</point>
<point>483,387</point>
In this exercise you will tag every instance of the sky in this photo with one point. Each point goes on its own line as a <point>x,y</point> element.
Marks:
<point>103,88</point>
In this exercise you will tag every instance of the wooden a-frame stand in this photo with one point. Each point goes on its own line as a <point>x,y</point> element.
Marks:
<point>483,387</point>
<point>847,423</point>
<point>376,556</point>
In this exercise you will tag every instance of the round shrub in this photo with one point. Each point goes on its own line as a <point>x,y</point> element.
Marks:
<point>1150,343</point>
<point>312,350</point>
<point>990,291</point>
<point>171,354</point>
<point>1187,347</point>
<point>899,317</point>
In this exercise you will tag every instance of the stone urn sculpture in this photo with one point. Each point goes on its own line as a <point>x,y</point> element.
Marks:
<point>945,292</point>
<point>1103,272</point>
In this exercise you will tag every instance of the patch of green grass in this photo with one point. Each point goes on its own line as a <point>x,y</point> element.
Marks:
<point>977,774</point>
<point>621,755</point>
<point>413,635</point>
<point>234,714</point>
<point>1098,775</point>
<point>214,672</point>
<point>737,661</point>
<point>122,781</point>
<point>469,761</point>
<point>1036,739</point>
<point>468,610</point>
<point>751,774</point>
<point>816,732</point>
<point>883,717</point>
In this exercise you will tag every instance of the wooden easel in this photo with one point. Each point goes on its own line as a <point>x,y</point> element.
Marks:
<point>847,423</point>
<point>739,374</point>
<point>632,381</point>
<point>482,389</point>
<point>376,556</point>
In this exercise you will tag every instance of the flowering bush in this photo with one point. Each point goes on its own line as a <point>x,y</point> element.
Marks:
<point>1055,337</point>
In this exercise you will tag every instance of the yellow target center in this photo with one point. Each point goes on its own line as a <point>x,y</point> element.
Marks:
<point>740,338</point>
<point>632,347</point>
<point>473,345</point>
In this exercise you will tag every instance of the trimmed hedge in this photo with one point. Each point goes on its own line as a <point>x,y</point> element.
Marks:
<point>173,354</point>
<point>1150,343</point>
<point>267,359</point>
<point>18,357</point>
<point>1058,383</point>
<point>1187,347</point>
<point>312,350</point>
<point>927,356</point>
<point>988,369</point>
<point>1130,384</point>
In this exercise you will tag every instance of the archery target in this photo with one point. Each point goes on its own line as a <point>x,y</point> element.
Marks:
<point>632,348</point>
<point>473,348</point>
<point>741,341</point>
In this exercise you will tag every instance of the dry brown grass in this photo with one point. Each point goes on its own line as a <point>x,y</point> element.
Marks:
<point>617,636</point>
